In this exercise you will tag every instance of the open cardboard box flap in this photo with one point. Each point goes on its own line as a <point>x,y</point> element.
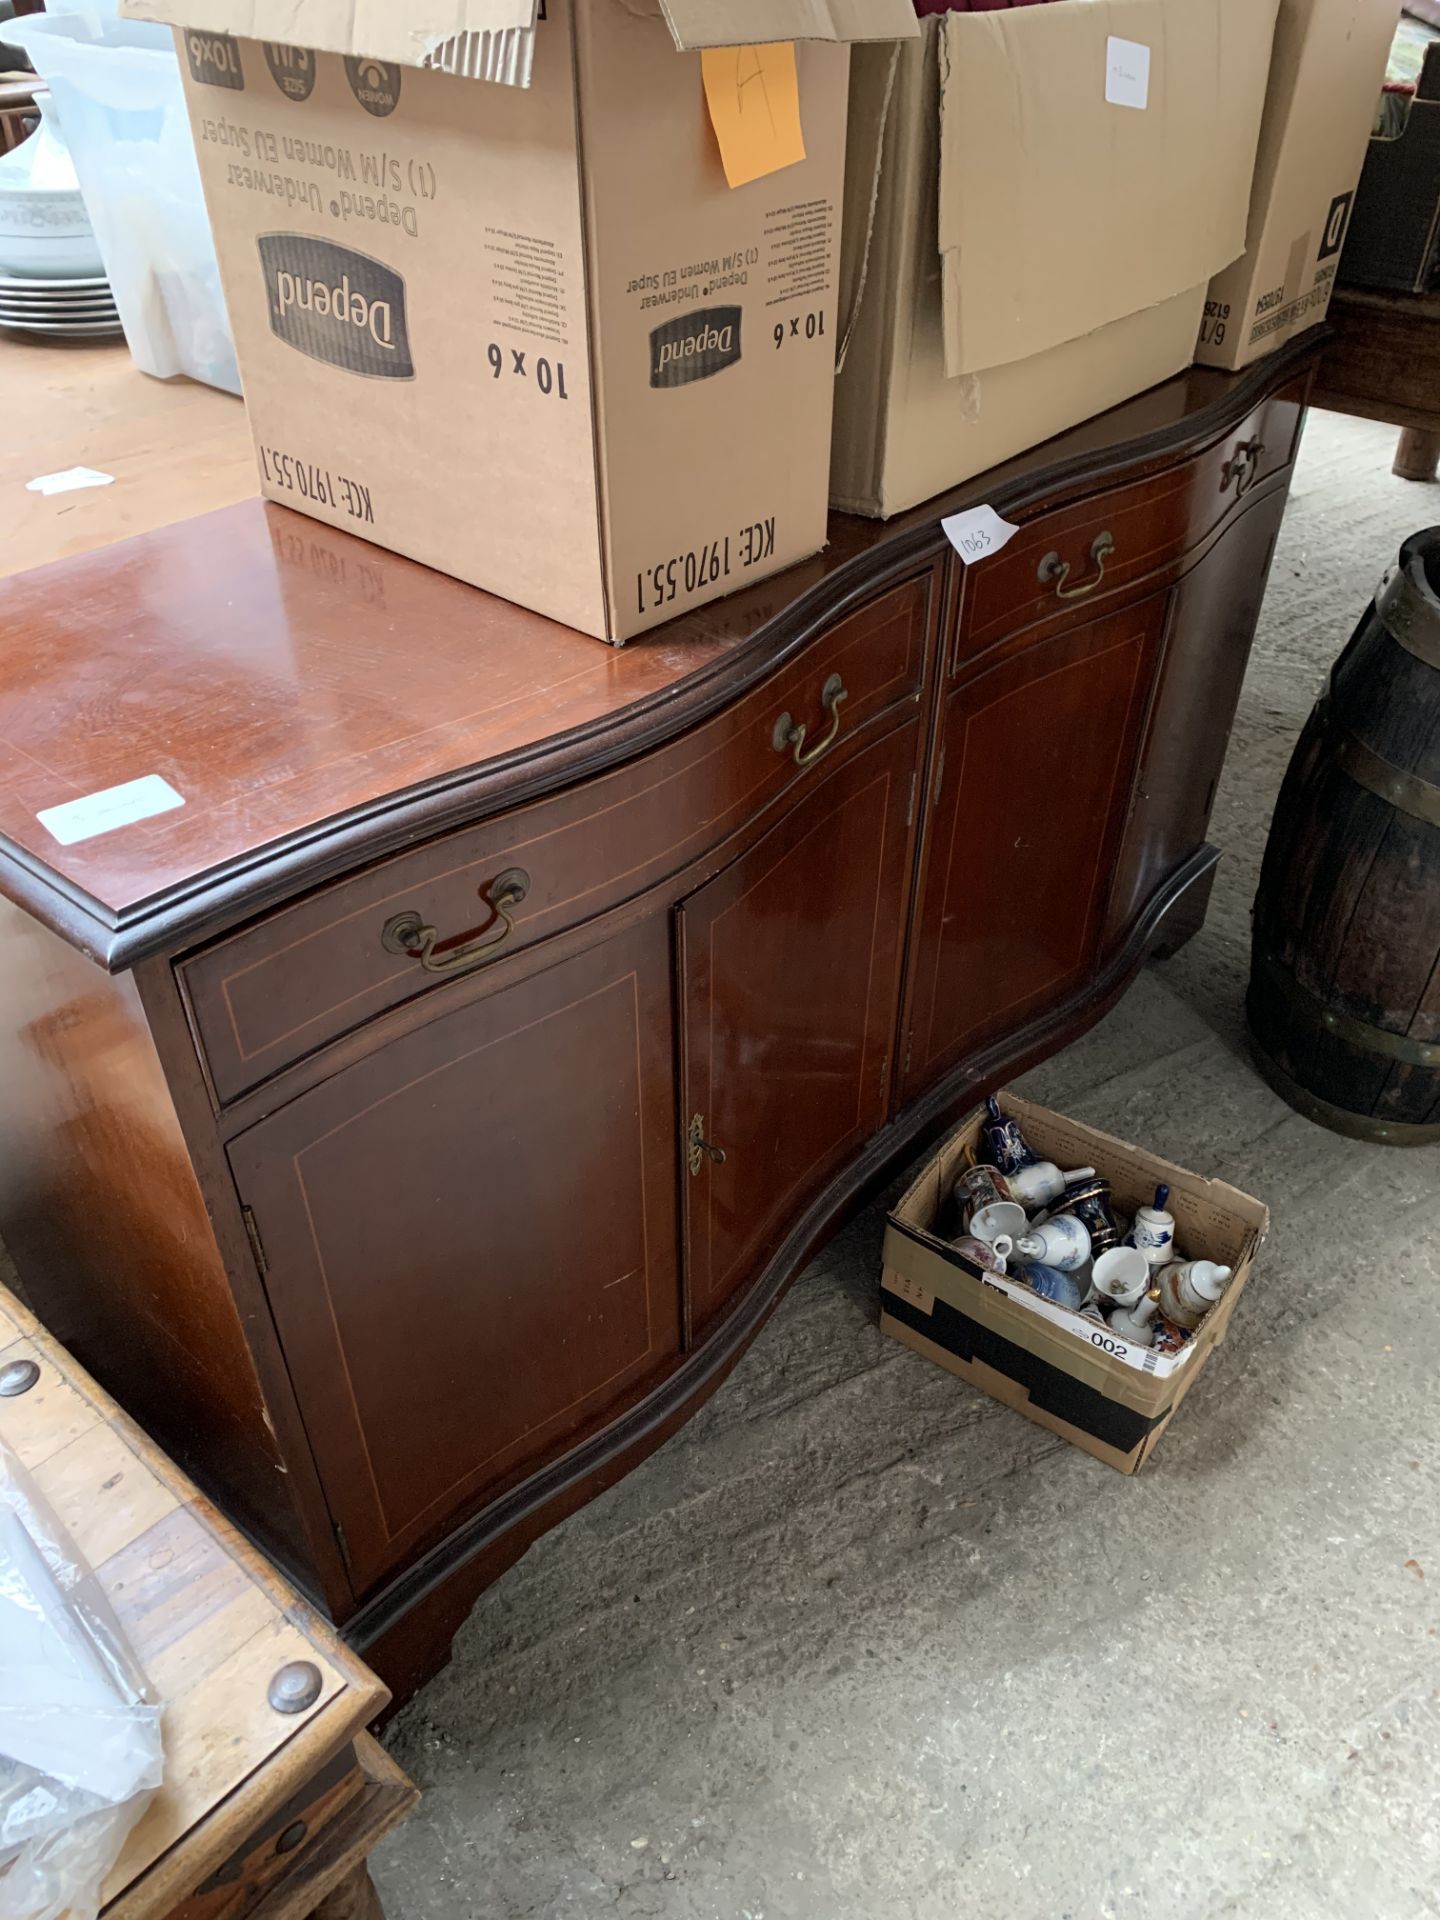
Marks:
<point>411,34</point>
<point>1045,184</point>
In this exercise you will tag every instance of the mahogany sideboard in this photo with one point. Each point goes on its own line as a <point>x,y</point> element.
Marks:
<point>413,1126</point>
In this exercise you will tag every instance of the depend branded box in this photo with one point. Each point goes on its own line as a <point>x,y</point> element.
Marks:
<point>1325,78</point>
<point>495,303</point>
<point>1104,1394</point>
<point>1035,202</point>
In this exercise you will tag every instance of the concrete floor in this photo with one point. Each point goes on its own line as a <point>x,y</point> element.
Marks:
<point>860,1643</point>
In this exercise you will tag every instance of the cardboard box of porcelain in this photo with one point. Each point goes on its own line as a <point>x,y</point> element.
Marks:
<point>1108,1397</point>
<point>1086,169</point>
<point>1325,79</point>
<point>528,333</point>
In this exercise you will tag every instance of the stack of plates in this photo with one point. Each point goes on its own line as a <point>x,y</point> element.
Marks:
<point>84,308</point>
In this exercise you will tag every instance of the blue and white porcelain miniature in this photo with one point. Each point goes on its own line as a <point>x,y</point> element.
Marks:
<point>1061,1241</point>
<point>1042,1183</point>
<point>1154,1230</point>
<point>1051,1284</point>
<point>1005,1145</point>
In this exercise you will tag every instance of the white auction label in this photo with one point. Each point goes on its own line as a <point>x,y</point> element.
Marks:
<point>70,481</point>
<point>102,812</point>
<point>976,532</point>
<point>1127,72</point>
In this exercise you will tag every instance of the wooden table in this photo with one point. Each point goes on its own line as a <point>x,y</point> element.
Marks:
<point>174,447</point>
<point>267,1813</point>
<point>1382,362</point>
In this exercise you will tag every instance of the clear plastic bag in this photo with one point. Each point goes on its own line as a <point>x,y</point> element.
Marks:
<point>116,92</point>
<point>80,1751</point>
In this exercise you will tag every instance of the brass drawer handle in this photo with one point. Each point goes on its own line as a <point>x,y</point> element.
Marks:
<point>789,733</point>
<point>1243,467</point>
<point>1052,567</point>
<point>407,932</point>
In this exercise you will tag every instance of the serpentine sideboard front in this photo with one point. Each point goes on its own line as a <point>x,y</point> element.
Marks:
<point>412,1127</point>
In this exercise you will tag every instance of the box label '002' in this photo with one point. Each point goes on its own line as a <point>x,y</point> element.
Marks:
<point>336,305</point>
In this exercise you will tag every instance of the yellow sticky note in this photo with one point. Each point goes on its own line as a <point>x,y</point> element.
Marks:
<point>754,98</point>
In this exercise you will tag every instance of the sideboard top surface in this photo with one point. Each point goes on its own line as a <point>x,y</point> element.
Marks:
<point>316,700</point>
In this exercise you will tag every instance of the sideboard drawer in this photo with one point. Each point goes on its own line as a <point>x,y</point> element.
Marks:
<point>277,989</point>
<point>1079,555</point>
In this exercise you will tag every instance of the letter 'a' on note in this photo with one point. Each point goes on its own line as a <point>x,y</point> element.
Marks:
<point>754,98</point>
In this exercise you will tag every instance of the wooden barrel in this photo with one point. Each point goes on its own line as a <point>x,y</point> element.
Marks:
<point>1344,1001</point>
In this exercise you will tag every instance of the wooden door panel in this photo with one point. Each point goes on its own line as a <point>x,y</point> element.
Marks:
<point>1038,751</point>
<point>471,1241</point>
<point>790,986</point>
<point>1207,648</point>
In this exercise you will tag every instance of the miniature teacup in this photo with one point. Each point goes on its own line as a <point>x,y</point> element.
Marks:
<point>1002,1217</point>
<point>980,1187</point>
<point>1042,1184</point>
<point>1060,1241</point>
<point>992,1258</point>
<point>1122,1274</point>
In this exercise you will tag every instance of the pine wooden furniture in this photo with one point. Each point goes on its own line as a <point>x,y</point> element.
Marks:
<point>264,1813</point>
<point>415,1125</point>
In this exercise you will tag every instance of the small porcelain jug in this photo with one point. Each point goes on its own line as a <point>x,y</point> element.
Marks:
<point>1154,1230</point>
<point>1188,1290</point>
<point>1006,1146</point>
<point>1051,1284</point>
<point>1137,1324</point>
<point>1122,1275</point>
<point>991,1256</point>
<point>1042,1184</point>
<point>1059,1242</point>
<point>1092,1311</point>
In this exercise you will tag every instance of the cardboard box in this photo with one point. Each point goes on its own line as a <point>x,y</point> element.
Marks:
<point>1077,228</point>
<point>1326,74</point>
<point>1108,1397</point>
<point>527,333</point>
<point>1394,237</point>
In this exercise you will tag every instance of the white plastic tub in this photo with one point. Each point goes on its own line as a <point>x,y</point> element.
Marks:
<point>116,89</point>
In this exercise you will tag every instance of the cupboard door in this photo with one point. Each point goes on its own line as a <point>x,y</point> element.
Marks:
<point>790,986</point>
<point>470,1239</point>
<point>1207,648</point>
<point>1038,748</point>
